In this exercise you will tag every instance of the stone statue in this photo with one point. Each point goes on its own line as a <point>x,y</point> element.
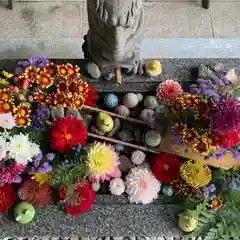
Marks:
<point>114,34</point>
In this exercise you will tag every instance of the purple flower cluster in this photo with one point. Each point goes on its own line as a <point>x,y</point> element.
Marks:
<point>38,117</point>
<point>36,61</point>
<point>210,84</point>
<point>225,115</point>
<point>208,192</point>
<point>234,181</point>
<point>42,163</point>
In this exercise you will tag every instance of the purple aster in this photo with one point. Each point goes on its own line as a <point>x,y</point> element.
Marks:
<point>212,188</point>
<point>212,196</point>
<point>38,61</point>
<point>50,156</point>
<point>205,192</point>
<point>225,115</point>
<point>219,156</point>
<point>21,65</point>
<point>39,156</point>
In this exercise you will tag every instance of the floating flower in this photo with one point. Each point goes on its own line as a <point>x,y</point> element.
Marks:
<point>22,110</point>
<point>165,167</point>
<point>225,115</point>
<point>6,107</point>
<point>216,203</point>
<point>141,185</point>
<point>6,95</point>
<point>35,193</point>
<point>3,147</point>
<point>177,104</point>
<point>169,89</point>
<point>202,145</point>
<point>91,96</point>
<point>79,200</point>
<point>7,121</point>
<point>45,80</point>
<point>195,174</point>
<point>50,68</point>
<point>7,196</point>
<point>10,173</point>
<point>138,157</point>
<point>117,186</point>
<point>101,161</point>
<point>42,97</point>
<point>31,74</point>
<point>188,134</point>
<point>41,177</point>
<point>38,61</point>
<point>68,70</point>
<point>66,132</point>
<point>22,121</point>
<point>182,188</point>
<point>59,100</point>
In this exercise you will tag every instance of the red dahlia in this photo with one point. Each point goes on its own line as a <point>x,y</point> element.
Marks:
<point>91,96</point>
<point>165,167</point>
<point>66,132</point>
<point>79,200</point>
<point>7,196</point>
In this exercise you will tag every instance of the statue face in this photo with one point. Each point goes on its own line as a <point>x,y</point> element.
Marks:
<point>115,22</point>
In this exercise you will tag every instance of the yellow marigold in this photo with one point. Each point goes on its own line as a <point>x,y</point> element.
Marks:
<point>195,173</point>
<point>41,177</point>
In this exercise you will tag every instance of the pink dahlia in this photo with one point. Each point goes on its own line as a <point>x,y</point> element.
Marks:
<point>10,173</point>
<point>168,89</point>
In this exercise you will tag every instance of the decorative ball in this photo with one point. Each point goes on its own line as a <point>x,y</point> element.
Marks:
<point>140,97</point>
<point>167,190</point>
<point>117,186</point>
<point>152,138</point>
<point>104,122</point>
<point>150,102</point>
<point>187,221</point>
<point>122,110</point>
<point>119,147</point>
<point>153,68</point>
<point>111,100</point>
<point>138,157</point>
<point>96,186</point>
<point>147,115</point>
<point>24,212</point>
<point>130,100</point>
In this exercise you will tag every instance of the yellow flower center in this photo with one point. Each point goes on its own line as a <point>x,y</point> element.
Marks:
<point>22,112</point>
<point>165,167</point>
<point>21,121</point>
<point>19,147</point>
<point>6,106</point>
<point>63,71</point>
<point>68,136</point>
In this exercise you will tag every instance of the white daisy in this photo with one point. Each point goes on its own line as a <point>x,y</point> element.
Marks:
<point>7,121</point>
<point>34,149</point>
<point>19,148</point>
<point>3,147</point>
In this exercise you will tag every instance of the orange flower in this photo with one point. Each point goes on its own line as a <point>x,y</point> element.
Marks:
<point>6,107</point>
<point>191,100</point>
<point>31,74</point>
<point>60,100</point>
<point>45,80</point>
<point>182,188</point>
<point>202,146</point>
<point>68,70</point>
<point>177,104</point>
<point>50,68</point>
<point>216,203</point>
<point>6,95</point>
<point>22,121</point>
<point>42,97</point>
<point>22,110</point>
<point>62,86</point>
<point>188,134</point>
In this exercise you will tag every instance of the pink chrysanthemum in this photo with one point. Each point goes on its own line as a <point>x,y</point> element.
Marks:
<point>141,185</point>
<point>117,186</point>
<point>168,89</point>
<point>10,173</point>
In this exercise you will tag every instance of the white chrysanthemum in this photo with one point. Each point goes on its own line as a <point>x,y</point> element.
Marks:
<point>117,186</point>
<point>141,185</point>
<point>34,150</point>
<point>3,148</point>
<point>20,148</point>
<point>7,121</point>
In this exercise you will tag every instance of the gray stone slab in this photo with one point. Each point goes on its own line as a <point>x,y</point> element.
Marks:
<point>226,19</point>
<point>176,19</point>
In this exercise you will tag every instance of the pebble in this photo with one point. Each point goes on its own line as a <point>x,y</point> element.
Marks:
<point>93,70</point>
<point>125,135</point>
<point>110,100</point>
<point>87,119</point>
<point>122,110</point>
<point>137,134</point>
<point>147,115</point>
<point>96,186</point>
<point>219,67</point>
<point>125,164</point>
<point>138,157</point>
<point>108,76</point>
<point>130,100</point>
<point>150,102</point>
<point>127,126</point>
<point>167,190</point>
<point>116,128</point>
<point>119,147</point>
<point>140,97</point>
<point>94,129</point>
<point>152,138</point>
<point>57,112</point>
<point>74,112</point>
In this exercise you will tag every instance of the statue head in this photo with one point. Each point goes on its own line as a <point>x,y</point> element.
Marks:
<point>115,22</point>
